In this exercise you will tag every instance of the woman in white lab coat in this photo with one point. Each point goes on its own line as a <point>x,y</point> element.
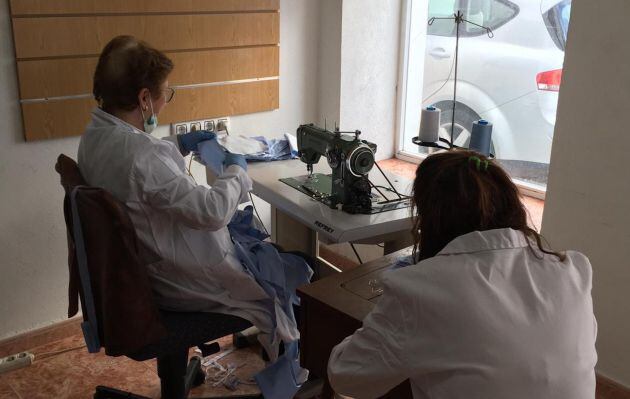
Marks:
<point>484,310</point>
<point>195,266</point>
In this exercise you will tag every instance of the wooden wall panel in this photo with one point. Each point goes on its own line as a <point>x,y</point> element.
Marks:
<point>50,78</point>
<point>221,50</point>
<point>54,119</point>
<point>72,36</point>
<point>69,7</point>
<point>214,101</point>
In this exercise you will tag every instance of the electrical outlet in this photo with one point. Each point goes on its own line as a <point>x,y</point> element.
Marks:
<point>212,125</point>
<point>17,361</point>
<point>181,128</point>
<point>223,125</point>
<point>209,125</point>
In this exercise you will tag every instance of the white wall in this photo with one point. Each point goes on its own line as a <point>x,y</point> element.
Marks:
<point>33,252</point>
<point>588,195</point>
<point>369,70</point>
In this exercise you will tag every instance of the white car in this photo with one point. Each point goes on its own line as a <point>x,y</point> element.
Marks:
<point>511,79</point>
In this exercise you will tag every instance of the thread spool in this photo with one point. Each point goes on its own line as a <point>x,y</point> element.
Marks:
<point>430,124</point>
<point>481,137</point>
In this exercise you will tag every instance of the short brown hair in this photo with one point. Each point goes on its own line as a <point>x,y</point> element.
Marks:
<point>458,192</point>
<point>126,66</point>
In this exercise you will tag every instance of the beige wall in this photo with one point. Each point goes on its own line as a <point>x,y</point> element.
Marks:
<point>588,197</point>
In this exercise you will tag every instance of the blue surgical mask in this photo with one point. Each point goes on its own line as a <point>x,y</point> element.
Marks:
<point>152,122</point>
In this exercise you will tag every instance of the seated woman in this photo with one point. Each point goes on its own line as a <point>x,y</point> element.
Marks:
<point>197,267</point>
<point>485,310</point>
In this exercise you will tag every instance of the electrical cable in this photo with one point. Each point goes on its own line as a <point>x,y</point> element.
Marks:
<point>376,188</point>
<point>251,198</point>
<point>388,181</point>
<point>356,253</point>
<point>392,191</point>
<point>46,355</point>
<point>450,73</point>
<point>188,170</point>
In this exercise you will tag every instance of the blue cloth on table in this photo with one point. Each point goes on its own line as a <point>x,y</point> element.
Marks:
<point>279,275</point>
<point>277,149</point>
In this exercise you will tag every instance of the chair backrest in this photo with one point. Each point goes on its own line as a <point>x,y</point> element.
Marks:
<point>107,269</point>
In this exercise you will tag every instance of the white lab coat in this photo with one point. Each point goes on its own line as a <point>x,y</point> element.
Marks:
<point>182,222</point>
<point>485,318</point>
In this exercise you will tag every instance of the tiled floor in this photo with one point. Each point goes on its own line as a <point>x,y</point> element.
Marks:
<point>75,374</point>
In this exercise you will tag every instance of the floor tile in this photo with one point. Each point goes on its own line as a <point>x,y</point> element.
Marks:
<point>75,374</point>
<point>249,363</point>
<point>6,392</point>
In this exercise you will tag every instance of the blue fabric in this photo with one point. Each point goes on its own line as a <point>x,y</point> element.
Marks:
<point>189,141</point>
<point>280,379</point>
<point>277,150</point>
<point>235,159</point>
<point>212,155</point>
<point>403,261</point>
<point>279,275</point>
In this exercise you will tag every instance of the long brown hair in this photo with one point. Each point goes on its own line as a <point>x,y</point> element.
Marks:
<point>461,191</point>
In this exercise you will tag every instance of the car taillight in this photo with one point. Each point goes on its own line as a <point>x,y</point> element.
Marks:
<point>549,80</point>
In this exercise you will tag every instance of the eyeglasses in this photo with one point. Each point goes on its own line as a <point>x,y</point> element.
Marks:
<point>169,92</point>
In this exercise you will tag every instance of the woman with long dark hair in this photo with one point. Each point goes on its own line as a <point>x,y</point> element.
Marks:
<point>485,311</point>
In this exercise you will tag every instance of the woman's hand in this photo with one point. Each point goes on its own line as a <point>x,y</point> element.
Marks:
<point>188,141</point>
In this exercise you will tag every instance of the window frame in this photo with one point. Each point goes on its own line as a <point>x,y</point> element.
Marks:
<point>528,189</point>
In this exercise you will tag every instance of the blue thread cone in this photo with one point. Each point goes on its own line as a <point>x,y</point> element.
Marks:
<point>481,137</point>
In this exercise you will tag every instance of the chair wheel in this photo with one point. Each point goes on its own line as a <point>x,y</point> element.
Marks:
<point>200,378</point>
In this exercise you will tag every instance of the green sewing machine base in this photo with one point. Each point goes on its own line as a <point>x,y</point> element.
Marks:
<point>318,186</point>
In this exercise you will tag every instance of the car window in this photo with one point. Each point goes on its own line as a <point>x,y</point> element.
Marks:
<point>565,15</point>
<point>490,13</point>
<point>557,22</point>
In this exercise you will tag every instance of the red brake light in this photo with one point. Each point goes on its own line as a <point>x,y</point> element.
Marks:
<point>549,80</point>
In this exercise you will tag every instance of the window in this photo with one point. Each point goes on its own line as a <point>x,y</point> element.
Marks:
<point>492,14</point>
<point>511,79</point>
<point>557,21</point>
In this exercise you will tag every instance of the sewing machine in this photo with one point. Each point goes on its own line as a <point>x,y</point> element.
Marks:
<point>350,159</point>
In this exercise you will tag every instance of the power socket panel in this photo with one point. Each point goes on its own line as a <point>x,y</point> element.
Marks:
<point>213,125</point>
<point>17,361</point>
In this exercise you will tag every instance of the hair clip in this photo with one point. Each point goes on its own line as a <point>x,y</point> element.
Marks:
<point>479,162</point>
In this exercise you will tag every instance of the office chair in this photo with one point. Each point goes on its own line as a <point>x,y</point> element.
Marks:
<point>181,330</point>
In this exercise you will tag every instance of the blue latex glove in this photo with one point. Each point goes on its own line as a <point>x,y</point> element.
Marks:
<point>212,155</point>
<point>189,141</point>
<point>235,159</point>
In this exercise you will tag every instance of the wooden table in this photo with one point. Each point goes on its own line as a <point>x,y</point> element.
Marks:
<point>334,308</point>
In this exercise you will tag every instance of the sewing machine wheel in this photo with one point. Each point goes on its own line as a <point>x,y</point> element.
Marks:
<point>361,160</point>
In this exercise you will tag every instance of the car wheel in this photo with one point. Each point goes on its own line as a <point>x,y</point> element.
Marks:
<point>464,118</point>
